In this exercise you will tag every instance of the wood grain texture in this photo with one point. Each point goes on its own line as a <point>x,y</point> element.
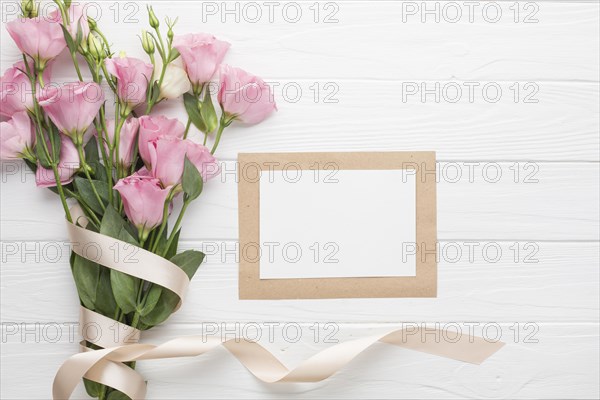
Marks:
<point>561,365</point>
<point>531,284</point>
<point>561,205</point>
<point>321,97</point>
<point>370,39</point>
<point>345,86</point>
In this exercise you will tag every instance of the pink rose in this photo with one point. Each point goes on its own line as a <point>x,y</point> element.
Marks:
<point>152,127</point>
<point>127,139</point>
<point>67,166</point>
<point>77,15</point>
<point>167,155</point>
<point>132,76</point>
<point>204,161</point>
<point>39,37</point>
<point>143,172</point>
<point>72,107</point>
<point>16,137</point>
<point>15,89</point>
<point>201,54</point>
<point>143,201</point>
<point>244,97</point>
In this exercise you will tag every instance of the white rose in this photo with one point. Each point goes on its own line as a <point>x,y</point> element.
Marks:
<point>175,82</point>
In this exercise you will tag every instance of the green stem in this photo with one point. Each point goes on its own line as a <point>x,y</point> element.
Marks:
<point>61,192</point>
<point>186,203</point>
<point>152,103</point>
<point>187,128</point>
<point>76,64</point>
<point>41,138</point>
<point>143,300</point>
<point>87,208</point>
<point>86,171</point>
<point>102,130</point>
<point>117,140</point>
<point>222,126</point>
<point>163,225</point>
<point>109,79</point>
<point>162,43</point>
<point>103,38</point>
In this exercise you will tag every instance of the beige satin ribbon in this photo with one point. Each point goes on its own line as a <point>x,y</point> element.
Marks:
<point>116,254</point>
<point>106,365</point>
<point>105,332</point>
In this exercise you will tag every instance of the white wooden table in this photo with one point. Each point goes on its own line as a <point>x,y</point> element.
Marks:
<point>351,77</point>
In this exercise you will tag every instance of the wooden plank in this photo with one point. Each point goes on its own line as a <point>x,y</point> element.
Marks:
<point>530,121</point>
<point>563,363</point>
<point>383,40</point>
<point>561,205</point>
<point>492,282</point>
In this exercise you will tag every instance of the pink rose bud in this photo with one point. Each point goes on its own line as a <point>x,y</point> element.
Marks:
<point>67,166</point>
<point>15,89</point>
<point>39,37</point>
<point>143,201</point>
<point>77,16</point>
<point>244,97</point>
<point>127,139</point>
<point>16,137</point>
<point>201,54</point>
<point>72,107</point>
<point>167,156</point>
<point>132,76</point>
<point>204,161</point>
<point>152,127</point>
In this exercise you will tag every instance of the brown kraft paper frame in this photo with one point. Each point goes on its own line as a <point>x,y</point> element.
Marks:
<point>424,284</point>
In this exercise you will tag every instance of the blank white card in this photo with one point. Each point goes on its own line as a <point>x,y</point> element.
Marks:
<point>337,224</point>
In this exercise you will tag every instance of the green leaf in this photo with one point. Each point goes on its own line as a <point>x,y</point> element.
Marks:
<point>53,148</point>
<point>209,115</point>
<point>41,156</point>
<point>127,237</point>
<point>174,55</point>
<point>68,39</point>
<point>162,241</point>
<point>188,261</point>
<point>92,158</point>
<point>173,248</point>
<point>116,395</point>
<point>92,388</point>
<point>56,142</point>
<point>151,301</point>
<point>85,190</point>
<point>192,107</point>
<point>155,290</point>
<point>105,300</point>
<point>91,151</point>
<point>86,274</point>
<point>111,222</point>
<point>115,226</point>
<point>125,288</point>
<point>155,92</point>
<point>192,181</point>
<point>79,36</point>
<point>164,308</point>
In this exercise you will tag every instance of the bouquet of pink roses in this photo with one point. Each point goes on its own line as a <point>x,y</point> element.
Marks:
<point>123,170</point>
